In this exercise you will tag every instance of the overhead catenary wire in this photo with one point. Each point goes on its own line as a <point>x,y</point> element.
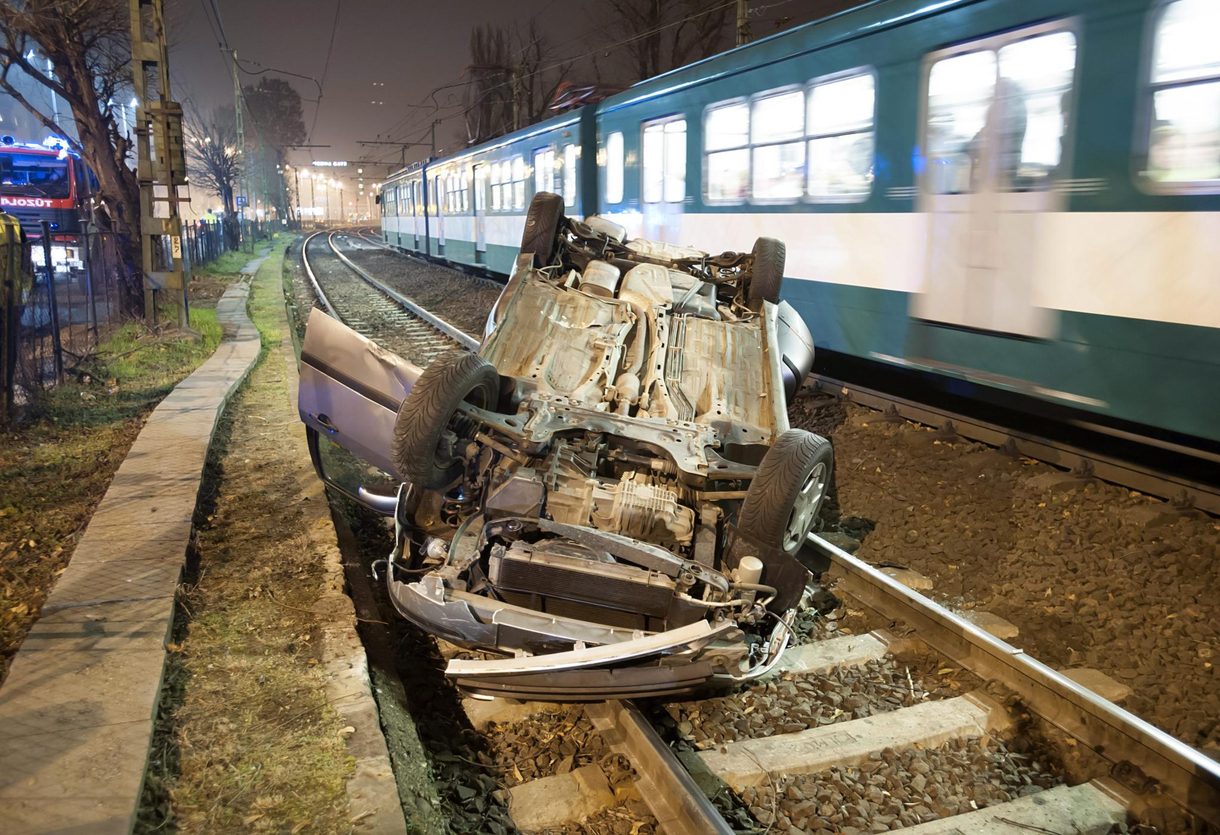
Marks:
<point>564,61</point>
<point>637,36</point>
<point>402,126</point>
<point>325,69</point>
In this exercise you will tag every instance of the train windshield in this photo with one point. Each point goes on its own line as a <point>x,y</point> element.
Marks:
<point>34,175</point>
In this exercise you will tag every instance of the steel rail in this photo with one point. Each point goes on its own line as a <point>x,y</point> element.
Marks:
<point>672,794</point>
<point>313,279</point>
<point>1186,775</point>
<point>1132,476</point>
<point>452,331</point>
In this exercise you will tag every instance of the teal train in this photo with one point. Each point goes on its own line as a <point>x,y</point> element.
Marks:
<point>1013,200</point>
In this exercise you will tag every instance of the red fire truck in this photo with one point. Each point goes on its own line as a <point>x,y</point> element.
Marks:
<point>47,182</point>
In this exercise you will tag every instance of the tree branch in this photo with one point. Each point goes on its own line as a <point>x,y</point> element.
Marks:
<point>49,123</point>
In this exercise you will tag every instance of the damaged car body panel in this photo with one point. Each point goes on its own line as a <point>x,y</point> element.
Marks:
<point>351,389</point>
<point>606,500</point>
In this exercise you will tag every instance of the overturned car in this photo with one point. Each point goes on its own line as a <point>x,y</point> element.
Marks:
<point>606,498</point>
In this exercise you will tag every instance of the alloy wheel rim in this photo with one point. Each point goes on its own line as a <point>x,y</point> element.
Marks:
<point>805,508</point>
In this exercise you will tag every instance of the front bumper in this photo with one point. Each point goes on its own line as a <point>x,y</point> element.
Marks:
<point>563,659</point>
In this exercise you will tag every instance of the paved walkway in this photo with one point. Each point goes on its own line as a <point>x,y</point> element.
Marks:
<point>253,264</point>
<point>77,709</point>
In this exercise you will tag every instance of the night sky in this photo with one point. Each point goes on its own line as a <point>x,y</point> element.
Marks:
<point>410,46</point>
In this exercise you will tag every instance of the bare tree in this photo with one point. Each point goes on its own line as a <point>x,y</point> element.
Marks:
<point>87,43</point>
<point>656,36</point>
<point>275,111</point>
<point>213,159</point>
<point>514,74</point>
<point>489,94</point>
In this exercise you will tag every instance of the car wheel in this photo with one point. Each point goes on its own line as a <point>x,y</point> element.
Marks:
<point>788,490</point>
<point>767,275</point>
<point>420,449</point>
<point>541,224</point>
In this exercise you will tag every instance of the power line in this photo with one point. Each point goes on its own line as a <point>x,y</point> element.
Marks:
<point>560,63</point>
<point>334,27</point>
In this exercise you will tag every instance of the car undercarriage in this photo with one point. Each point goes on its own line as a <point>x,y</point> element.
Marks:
<point>606,500</point>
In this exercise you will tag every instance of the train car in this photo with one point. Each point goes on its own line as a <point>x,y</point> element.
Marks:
<point>469,209</point>
<point>1020,202</point>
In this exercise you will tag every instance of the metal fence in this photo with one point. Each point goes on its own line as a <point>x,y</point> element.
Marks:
<point>56,321</point>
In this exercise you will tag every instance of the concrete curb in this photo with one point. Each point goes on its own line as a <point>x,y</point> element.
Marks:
<point>81,697</point>
<point>372,791</point>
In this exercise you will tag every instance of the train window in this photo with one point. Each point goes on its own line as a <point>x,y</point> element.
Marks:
<point>777,163</point>
<point>960,91</point>
<point>998,117</point>
<point>840,130</point>
<point>456,199</point>
<point>544,170</point>
<point>726,139</point>
<point>496,181</point>
<point>1033,97</point>
<point>480,188</point>
<point>1184,125</point>
<point>663,161</point>
<point>518,181</point>
<point>569,175</point>
<point>614,168</point>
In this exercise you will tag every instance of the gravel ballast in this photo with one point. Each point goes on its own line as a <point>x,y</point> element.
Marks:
<point>794,703</point>
<point>1094,575</point>
<point>547,744</point>
<point>897,789</point>
<point>462,300</point>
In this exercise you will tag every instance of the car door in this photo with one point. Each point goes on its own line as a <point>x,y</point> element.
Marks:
<point>351,389</point>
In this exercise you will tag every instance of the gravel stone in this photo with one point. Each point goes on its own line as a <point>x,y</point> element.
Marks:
<point>793,703</point>
<point>553,743</point>
<point>904,789</point>
<point>1088,583</point>
<point>459,298</point>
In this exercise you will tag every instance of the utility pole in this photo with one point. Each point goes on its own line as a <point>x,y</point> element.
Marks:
<point>743,22</point>
<point>239,114</point>
<point>516,88</point>
<point>161,162</point>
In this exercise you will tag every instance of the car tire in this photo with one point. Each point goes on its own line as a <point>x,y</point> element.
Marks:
<point>424,415</point>
<point>541,223</point>
<point>767,275</point>
<point>787,492</point>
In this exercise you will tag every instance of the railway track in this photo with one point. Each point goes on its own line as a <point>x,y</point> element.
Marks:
<point>373,308</point>
<point>1183,492</point>
<point>850,739</point>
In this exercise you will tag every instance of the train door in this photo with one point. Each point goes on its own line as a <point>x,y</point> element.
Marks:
<point>996,126</point>
<point>420,229</point>
<point>480,214</point>
<point>406,226</point>
<point>663,177</point>
<point>438,190</point>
